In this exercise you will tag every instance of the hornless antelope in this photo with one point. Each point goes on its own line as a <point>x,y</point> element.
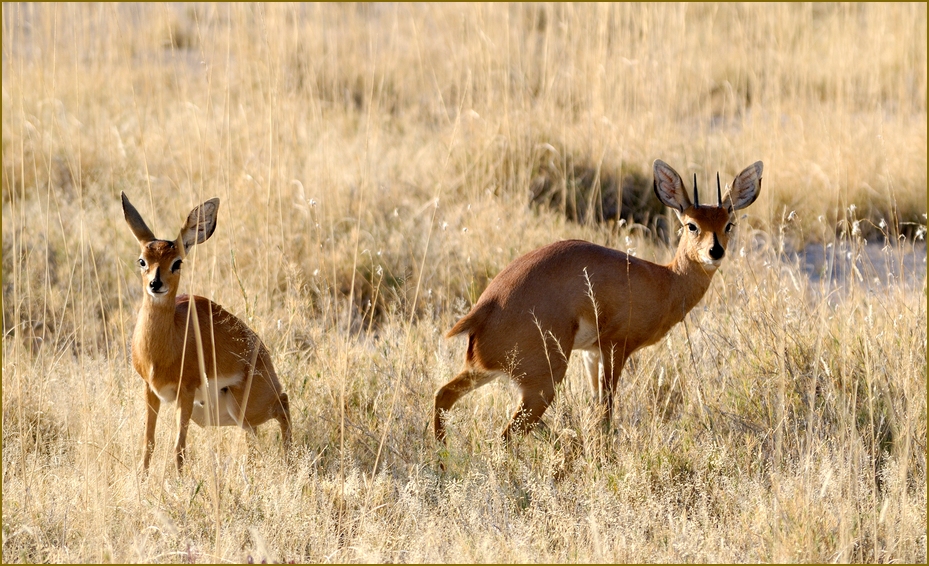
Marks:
<point>205,358</point>
<point>575,295</point>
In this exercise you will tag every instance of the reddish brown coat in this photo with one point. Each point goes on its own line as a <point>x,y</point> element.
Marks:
<point>205,359</point>
<point>575,295</point>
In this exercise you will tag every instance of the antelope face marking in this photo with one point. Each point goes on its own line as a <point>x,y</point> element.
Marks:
<point>160,265</point>
<point>707,235</point>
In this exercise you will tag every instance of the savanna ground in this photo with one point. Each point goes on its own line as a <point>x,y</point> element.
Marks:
<point>377,165</point>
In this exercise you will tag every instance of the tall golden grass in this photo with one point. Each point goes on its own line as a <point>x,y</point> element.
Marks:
<point>376,165</point>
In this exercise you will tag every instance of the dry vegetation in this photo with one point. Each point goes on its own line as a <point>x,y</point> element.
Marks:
<point>377,165</point>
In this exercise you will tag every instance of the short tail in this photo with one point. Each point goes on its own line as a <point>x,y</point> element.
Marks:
<point>472,320</point>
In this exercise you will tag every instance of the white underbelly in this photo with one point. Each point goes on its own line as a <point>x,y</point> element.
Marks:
<point>214,405</point>
<point>587,340</point>
<point>586,337</point>
<point>216,385</point>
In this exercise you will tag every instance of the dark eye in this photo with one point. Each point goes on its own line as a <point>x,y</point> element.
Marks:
<point>142,263</point>
<point>692,227</point>
<point>176,266</point>
<point>729,227</point>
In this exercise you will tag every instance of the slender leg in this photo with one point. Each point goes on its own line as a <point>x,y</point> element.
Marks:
<point>445,397</point>
<point>592,368</point>
<point>537,387</point>
<point>185,407</point>
<point>613,362</point>
<point>533,403</point>
<point>283,417</point>
<point>152,404</point>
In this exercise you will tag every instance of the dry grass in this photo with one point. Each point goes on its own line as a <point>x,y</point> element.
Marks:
<point>374,164</point>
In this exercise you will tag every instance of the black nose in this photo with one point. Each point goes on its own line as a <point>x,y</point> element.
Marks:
<point>717,251</point>
<point>155,283</point>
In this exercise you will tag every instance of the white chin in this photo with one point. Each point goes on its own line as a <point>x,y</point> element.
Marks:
<point>157,296</point>
<point>711,265</point>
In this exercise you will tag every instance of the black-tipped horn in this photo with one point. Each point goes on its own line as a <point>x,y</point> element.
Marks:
<point>696,200</point>
<point>719,192</point>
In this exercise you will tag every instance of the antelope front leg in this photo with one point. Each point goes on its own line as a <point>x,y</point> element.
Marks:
<point>152,404</point>
<point>185,408</point>
<point>599,386</point>
<point>613,363</point>
<point>591,360</point>
<point>283,417</point>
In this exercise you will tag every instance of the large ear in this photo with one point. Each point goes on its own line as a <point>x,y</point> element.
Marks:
<point>201,222</point>
<point>745,187</point>
<point>669,187</point>
<point>136,224</point>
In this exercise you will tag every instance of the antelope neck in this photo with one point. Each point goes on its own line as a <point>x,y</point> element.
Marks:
<point>156,315</point>
<point>691,279</point>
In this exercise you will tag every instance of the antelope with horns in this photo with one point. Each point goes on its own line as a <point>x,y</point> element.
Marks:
<point>190,350</point>
<point>575,295</point>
